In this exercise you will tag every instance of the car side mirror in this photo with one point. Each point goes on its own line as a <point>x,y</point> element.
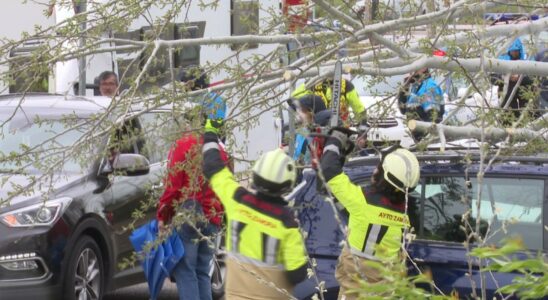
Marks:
<point>131,164</point>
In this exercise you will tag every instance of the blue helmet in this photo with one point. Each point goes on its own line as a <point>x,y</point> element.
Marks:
<point>214,107</point>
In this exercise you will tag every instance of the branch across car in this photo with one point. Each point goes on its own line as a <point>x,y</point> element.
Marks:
<point>65,216</point>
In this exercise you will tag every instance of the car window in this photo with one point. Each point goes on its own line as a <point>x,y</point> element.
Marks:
<point>161,130</point>
<point>517,205</point>
<point>126,139</point>
<point>518,209</point>
<point>444,206</point>
<point>47,133</point>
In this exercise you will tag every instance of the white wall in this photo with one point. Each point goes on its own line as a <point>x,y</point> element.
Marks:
<point>16,18</point>
<point>263,136</point>
<point>217,25</point>
<point>258,139</point>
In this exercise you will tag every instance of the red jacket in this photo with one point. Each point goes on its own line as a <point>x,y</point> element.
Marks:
<point>181,184</point>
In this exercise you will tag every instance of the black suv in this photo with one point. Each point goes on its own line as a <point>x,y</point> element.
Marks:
<point>64,234</point>
<point>517,187</point>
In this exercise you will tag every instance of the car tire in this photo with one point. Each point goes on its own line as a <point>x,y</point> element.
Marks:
<point>85,276</point>
<point>218,276</point>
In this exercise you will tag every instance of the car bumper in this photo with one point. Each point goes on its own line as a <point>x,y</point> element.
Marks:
<point>43,289</point>
<point>30,262</point>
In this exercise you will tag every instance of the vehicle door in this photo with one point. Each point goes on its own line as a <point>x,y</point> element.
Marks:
<point>513,207</point>
<point>160,129</point>
<point>133,202</point>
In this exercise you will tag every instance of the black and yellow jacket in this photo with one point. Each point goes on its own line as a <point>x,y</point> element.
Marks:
<point>375,224</point>
<point>349,97</point>
<point>262,235</point>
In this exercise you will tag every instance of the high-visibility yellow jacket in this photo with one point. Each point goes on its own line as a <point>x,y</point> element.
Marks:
<point>262,235</point>
<point>349,96</point>
<point>376,225</point>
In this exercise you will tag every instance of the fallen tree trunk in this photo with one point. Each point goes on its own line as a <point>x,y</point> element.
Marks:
<point>491,134</point>
<point>539,123</point>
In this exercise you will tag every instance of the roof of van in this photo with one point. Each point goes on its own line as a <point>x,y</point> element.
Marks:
<point>39,100</point>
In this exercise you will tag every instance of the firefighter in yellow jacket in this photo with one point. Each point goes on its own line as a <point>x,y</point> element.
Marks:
<point>377,215</point>
<point>262,235</point>
<point>349,97</point>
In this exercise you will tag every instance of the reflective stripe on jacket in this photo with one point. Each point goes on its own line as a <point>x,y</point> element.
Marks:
<point>375,224</point>
<point>261,233</point>
<point>376,227</point>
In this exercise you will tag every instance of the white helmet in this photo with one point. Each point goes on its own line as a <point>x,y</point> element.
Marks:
<point>401,169</point>
<point>274,173</point>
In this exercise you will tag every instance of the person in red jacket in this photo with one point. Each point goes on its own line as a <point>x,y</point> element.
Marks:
<point>187,191</point>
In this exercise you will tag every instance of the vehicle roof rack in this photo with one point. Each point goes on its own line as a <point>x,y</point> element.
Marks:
<point>507,17</point>
<point>454,157</point>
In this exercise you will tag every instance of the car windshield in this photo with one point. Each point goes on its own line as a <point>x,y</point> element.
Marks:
<point>34,140</point>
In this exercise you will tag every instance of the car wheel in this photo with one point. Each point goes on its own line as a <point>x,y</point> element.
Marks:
<point>218,276</point>
<point>84,279</point>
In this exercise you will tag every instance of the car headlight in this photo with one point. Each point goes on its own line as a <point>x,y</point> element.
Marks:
<point>40,214</point>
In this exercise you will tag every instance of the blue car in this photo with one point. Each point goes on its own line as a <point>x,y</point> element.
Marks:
<point>517,186</point>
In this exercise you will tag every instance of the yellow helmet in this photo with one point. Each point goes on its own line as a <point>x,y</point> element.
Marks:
<point>401,169</point>
<point>274,173</point>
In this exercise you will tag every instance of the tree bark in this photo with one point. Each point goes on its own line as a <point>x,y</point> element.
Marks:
<point>492,134</point>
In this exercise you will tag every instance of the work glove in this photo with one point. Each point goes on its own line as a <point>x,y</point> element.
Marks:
<point>363,129</point>
<point>214,126</point>
<point>291,102</point>
<point>342,134</point>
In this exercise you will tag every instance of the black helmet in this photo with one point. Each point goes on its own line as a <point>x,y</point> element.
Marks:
<point>195,74</point>
<point>309,102</point>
